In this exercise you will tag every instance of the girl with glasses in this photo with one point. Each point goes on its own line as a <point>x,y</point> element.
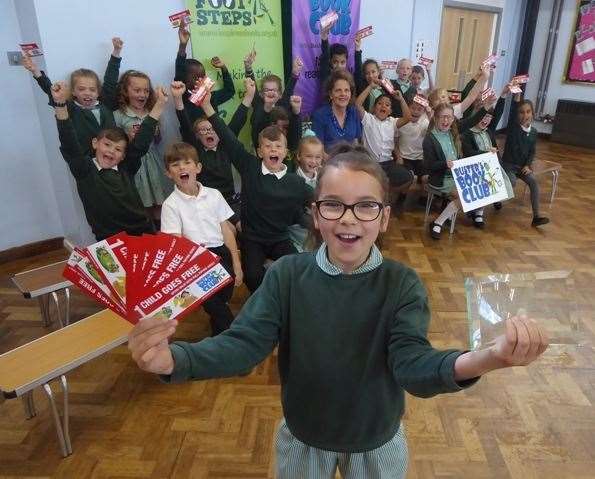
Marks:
<point>351,327</point>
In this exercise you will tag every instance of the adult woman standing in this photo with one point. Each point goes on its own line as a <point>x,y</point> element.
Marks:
<point>338,120</point>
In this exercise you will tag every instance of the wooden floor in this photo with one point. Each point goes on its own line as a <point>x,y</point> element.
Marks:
<point>529,423</point>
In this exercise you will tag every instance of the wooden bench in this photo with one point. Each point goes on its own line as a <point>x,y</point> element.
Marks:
<point>53,356</point>
<point>43,283</point>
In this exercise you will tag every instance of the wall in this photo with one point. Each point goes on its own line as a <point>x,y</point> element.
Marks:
<point>28,210</point>
<point>556,88</point>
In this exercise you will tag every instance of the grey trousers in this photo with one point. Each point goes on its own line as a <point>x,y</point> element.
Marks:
<point>533,187</point>
<point>296,460</point>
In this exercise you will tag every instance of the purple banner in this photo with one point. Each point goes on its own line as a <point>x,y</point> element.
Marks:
<point>306,41</point>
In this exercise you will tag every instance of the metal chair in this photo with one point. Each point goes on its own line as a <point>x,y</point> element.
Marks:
<point>433,192</point>
<point>543,167</point>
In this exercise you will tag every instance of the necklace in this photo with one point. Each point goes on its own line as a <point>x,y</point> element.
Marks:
<point>340,131</point>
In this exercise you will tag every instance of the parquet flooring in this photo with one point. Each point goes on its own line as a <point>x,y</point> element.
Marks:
<point>529,423</point>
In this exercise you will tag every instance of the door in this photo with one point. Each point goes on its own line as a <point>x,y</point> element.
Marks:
<point>466,39</point>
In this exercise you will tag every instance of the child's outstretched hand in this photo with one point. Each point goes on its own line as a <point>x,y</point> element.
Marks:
<point>249,59</point>
<point>217,62</point>
<point>177,89</point>
<point>397,95</point>
<point>250,88</point>
<point>298,65</point>
<point>183,34</point>
<point>523,342</point>
<point>118,44</point>
<point>30,65</point>
<point>60,92</point>
<point>358,44</point>
<point>296,104</point>
<point>148,344</point>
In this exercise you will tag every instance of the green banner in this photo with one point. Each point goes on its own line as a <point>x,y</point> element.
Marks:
<point>229,29</point>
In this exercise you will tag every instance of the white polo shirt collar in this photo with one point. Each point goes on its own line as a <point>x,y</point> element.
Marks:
<point>278,174</point>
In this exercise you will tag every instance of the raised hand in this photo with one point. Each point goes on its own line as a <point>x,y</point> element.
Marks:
<point>217,62</point>
<point>30,65</point>
<point>523,342</point>
<point>177,89</point>
<point>397,95</point>
<point>161,96</point>
<point>60,92</point>
<point>148,344</point>
<point>298,66</point>
<point>250,87</point>
<point>358,43</point>
<point>249,59</point>
<point>118,44</point>
<point>296,104</point>
<point>183,34</point>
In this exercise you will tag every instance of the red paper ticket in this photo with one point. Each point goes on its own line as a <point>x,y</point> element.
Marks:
<point>519,79</point>
<point>387,85</point>
<point>177,18</point>
<point>329,19</point>
<point>455,96</point>
<point>491,61</point>
<point>488,92</point>
<point>364,32</point>
<point>204,85</point>
<point>31,49</point>
<point>425,61</point>
<point>421,100</point>
<point>389,65</point>
<point>515,89</point>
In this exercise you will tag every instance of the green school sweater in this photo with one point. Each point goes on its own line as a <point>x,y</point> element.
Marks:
<point>349,348</point>
<point>269,205</point>
<point>83,120</point>
<point>110,198</point>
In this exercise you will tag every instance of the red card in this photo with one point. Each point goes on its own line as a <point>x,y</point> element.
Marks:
<point>425,61</point>
<point>455,96</point>
<point>520,79</point>
<point>515,89</point>
<point>488,92</point>
<point>421,100</point>
<point>31,49</point>
<point>177,18</point>
<point>491,61</point>
<point>329,19</point>
<point>364,32</point>
<point>204,85</point>
<point>387,85</point>
<point>115,272</point>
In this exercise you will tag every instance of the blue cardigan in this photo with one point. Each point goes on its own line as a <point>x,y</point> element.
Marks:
<point>327,128</point>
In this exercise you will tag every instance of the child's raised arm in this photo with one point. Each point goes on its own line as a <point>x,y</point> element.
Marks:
<point>70,147</point>
<point>184,37</point>
<point>228,141</point>
<point>430,79</point>
<point>358,71</point>
<point>325,55</point>
<point>177,90</point>
<point>361,99</point>
<point>296,70</point>
<point>477,89</point>
<point>406,118</point>
<point>229,90</point>
<point>109,92</point>
<point>294,131</point>
<point>239,118</point>
<point>40,77</point>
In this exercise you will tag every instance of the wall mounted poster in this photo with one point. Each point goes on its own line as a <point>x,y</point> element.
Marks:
<point>581,56</point>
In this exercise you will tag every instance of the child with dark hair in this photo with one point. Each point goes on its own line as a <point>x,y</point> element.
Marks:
<point>519,152</point>
<point>335,58</point>
<point>105,181</point>
<point>91,103</point>
<point>418,75</point>
<point>190,71</point>
<point>379,132</point>
<point>272,198</point>
<point>270,96</point>
<point>351,328</point>
<point>372,75</point>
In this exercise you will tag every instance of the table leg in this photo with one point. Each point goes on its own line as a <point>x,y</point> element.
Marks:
<point>555,176</point>
<point>67,306</point>
<point>44,307</point>
<point>29,405</point>
<point>57,303</point>
<point>61,424</point>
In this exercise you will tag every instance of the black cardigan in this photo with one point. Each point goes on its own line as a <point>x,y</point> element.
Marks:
<point>470,147</point>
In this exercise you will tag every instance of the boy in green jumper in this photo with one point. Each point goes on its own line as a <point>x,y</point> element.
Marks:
<point>105,183</point>
<point>272,198</point>
<point>351,328</point>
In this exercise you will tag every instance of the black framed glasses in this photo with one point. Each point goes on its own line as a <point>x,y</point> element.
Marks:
<point>363,210</point>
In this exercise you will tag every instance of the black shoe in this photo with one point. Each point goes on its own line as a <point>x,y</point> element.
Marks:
<point>539,221</point>
<point>478,221</point>
<point>498,206</point>
<point>435,230</point>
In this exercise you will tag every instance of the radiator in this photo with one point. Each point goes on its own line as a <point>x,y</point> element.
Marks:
<point>574,123</point>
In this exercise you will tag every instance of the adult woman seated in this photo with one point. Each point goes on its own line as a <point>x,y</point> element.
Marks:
<point>338,120</point>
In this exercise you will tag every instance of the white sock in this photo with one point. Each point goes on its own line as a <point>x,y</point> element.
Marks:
<point>479,212</point>
<point>450,209</point>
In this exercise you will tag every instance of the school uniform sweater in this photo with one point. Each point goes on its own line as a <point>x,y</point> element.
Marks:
<point>216,164</point>
<point>325,67</point>
<point>83,120</point>
<point>218,97</point>
<point>434,158</point>
<point>408,95</point>
<point>109,196</point>
<point>269,204</point>
<point>350,345</point>
<point>519,150</point>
